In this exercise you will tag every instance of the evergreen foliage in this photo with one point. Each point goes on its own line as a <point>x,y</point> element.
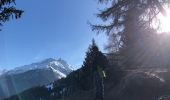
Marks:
<point>130,25</point>
<point>93,58</point>
<point>8,11</point>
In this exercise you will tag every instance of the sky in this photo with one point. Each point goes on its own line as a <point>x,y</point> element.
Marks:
<point>49,29</point>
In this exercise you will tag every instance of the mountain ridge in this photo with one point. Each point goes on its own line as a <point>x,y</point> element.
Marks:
<point>36,74</point>
<point>38,65</point>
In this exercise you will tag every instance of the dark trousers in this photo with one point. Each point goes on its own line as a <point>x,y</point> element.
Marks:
<point>99,88</point>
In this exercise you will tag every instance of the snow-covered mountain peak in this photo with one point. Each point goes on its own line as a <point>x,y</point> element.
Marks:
<point>36,74</point>
<point>48,60</point>
<point>59,65</point>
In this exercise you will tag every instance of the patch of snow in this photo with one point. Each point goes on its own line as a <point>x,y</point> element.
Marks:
<point>58,64</point>
<point>165,97</point>
<point>154,75</point>
<point>50,86</point>
<point>62,75</point>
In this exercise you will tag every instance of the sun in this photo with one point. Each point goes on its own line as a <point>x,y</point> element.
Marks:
<point>165,22</point>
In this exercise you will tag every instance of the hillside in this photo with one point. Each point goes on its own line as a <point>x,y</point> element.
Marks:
<point>29,76</point>
<point>136,85</point>
<point>133,85</point>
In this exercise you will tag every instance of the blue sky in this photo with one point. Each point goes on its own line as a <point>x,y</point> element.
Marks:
<point>53,28</point>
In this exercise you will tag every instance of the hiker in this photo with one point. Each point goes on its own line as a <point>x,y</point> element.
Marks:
<point>99,76</point>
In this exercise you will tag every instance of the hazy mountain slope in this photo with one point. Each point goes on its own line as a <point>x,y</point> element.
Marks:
<point>28,76</point>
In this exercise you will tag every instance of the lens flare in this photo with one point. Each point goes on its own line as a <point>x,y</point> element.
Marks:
<point>165,22</point>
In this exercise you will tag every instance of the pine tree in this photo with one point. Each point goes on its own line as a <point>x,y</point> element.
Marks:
<point>130,23</point>
<point>94,58</point>
<point>8,11</point>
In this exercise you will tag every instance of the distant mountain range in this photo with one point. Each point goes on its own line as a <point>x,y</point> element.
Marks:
<point>36,74</point>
